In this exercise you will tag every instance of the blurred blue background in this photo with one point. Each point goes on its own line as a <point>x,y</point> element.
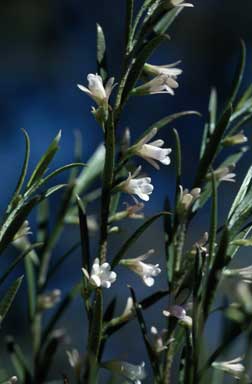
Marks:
<point>46,48</point>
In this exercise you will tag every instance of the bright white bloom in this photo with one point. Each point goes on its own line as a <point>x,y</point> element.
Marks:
<point>96,89</point>
<point>245,274</point>
<point>141,186</point>
<point>169,70</point>
<point>101,275</point>
<point>159,84</point>
<point>134,373</point>
<point>180,313</point>
<point>233,367</point>
<point>146,271</point>
<point>152,151</point>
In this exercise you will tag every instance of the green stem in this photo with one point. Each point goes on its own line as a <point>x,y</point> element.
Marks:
<point>108,175</point>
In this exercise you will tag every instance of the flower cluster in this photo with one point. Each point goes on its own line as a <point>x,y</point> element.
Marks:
<point>101,275</point>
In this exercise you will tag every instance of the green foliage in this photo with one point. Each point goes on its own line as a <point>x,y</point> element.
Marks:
<point>195,273</point>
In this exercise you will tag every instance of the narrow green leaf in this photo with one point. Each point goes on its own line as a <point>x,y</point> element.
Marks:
<point>242,242</point>
<point>25,164</point>
<point>238,75</point>
<point>60,170</point>
<point>166,21</point>
<point>54,189</point>
<point>128,24</point>
<point>14,222</point>
<point>168,120</point>
<point>45,160</point>
<point>241,193</point>
<point>18,361</point>
<point>212,147</point>
<point>95,334</point>
<point>43,216</point>
<point>61,260</point>
<point>101,52</point>
<point>137,67</point>
<point>153,356</point>
<point>134,237</point>
<point>178,162</point>
<point>92,171</point>
<point>110,310</point>
<point>220,261</point>
<point>213,221</point>
<point>9,297</point>
<point>17,260</point>
<point>84,235</point>
<point>145,304</point>
<point>246,96</point>
<point>55,234</point>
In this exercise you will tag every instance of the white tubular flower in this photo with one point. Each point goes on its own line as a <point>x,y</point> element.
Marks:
<point>22,233</point>
<point>186,198</point>
<point>134,373</point>
<point>225,174</point>
<point>101,275</point>
<point>159,84</point>
<point>233,367</point>
<point>180,313</point>
<point>141,186</point>
<point>146,271</point>
<point>245,274</point>
<point>239,138</point>
<point>169,70</point>
<point>96,89</point>
<point>152,151</point>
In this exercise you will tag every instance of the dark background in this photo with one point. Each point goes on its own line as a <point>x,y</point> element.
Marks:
<point>46,48</point>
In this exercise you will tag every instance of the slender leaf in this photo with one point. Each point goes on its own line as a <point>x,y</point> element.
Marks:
<point>139,63</point>
<point>167,120</point>
<point>15,221</point>
<point>44,161</point>
<point>213,220</point>
<point>212,147</point>
<point>166,21</point>
<point>135,236</point>
<point>17,261</point>
<point>238,75</point>
<point>84,234</point>
<point>25,164</point>
<point>60,170</point>
<point>241,193</point>
<point>92,171</point>
<point>9,297</point>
